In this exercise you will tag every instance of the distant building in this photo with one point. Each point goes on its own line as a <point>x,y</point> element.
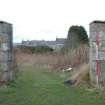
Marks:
<point>60,42</point>
<point>57,44</point>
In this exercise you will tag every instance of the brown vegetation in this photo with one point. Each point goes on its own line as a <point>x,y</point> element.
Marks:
<point>49,59</point>
<point>81,75</point>
<point>75,57</point>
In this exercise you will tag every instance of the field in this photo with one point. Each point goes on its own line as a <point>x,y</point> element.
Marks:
<point>41,86</point>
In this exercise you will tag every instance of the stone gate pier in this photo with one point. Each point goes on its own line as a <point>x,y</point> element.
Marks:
<point>6,47</point>
<point>97,51</point>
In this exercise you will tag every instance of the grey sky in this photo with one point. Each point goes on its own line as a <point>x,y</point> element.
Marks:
<point>46,19</point>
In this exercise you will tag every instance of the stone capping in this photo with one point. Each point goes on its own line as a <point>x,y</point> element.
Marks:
<point>98,21</point>
<point>3,22</point>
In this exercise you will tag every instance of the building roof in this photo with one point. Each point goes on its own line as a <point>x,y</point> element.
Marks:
<point>60,40</point>
<point>43,42</point>
<point>50,42</point>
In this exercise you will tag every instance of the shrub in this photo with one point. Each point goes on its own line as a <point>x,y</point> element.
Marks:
<point>35,49</point>
<point>77,35</point>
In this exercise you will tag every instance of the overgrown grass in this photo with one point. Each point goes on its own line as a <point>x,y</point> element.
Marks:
<point>39,86</point>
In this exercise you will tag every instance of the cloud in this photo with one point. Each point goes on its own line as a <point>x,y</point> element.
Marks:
<point>46,19</point>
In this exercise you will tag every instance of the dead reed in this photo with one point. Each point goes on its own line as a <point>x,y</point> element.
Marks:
<point>75,57</point>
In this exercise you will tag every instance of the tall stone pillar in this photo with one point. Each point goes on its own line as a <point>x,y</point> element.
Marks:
<point>6,46</point>
<point>97,51</point>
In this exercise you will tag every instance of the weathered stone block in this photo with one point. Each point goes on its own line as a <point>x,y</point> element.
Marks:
<point>7,75</point>
<point>97,51</point>
<point>6,45</point>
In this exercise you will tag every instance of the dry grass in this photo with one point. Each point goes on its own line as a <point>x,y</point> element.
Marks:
<point>75,57</point>
<point>82,74</point>
<point>49,59</point>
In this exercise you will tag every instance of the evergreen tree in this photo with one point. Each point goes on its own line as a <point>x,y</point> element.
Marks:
<point>76,35</point>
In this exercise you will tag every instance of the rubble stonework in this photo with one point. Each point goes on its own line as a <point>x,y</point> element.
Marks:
<point>97,51</point>
<point>6,46</point>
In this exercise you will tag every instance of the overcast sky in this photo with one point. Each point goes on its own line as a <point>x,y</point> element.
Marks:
<point>48,19</point>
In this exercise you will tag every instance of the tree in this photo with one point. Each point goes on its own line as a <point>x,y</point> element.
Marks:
<point>76,35</point>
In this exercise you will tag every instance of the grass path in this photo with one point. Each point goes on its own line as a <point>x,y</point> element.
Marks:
<point>41,87</point>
